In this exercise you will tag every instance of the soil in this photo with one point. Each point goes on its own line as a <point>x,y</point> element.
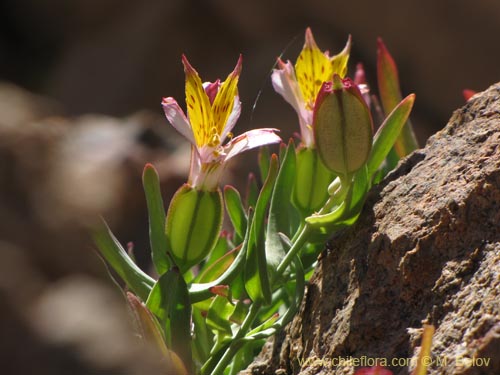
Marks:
<point>426,249</point>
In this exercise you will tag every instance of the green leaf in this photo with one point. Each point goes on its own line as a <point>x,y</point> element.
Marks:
<point>279,215</point>
<point>203,342</point>
<point>218,316</point>
<point>169,301</point>
<point>256,275</point>
<point>252,191</point>
<point>113,252</point>
<point>235,210</point>
<point>390,95</point>
<point>218,267</point>
<point>264,158</point>
<point>239,313</point>
<point>388,132</point>
<point>156,215</point>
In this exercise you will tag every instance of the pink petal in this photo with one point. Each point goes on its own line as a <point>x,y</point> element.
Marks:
<point>251,139</point>
<point>285,83</point>
<point>177,118</point>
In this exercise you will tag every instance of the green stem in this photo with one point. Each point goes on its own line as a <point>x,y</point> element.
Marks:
<point>233,348</point>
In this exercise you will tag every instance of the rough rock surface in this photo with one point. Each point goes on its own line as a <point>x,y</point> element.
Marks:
<point>426,249</point>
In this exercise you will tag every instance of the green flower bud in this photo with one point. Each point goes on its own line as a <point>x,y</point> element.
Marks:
<point>343,126</point>
<point>311,181</point>
<point>193,224</point>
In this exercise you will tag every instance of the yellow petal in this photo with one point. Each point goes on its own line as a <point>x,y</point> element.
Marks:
<point>224,101</point>
<point>313,68</point>
<point>198,106</point>
<point>339,62</point>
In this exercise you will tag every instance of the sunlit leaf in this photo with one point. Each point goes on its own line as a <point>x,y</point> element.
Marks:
<point>156,215</point>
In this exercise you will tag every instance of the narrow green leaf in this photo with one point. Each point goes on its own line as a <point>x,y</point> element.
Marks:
<point>279,216</point>
<point>390,95</point>
<point>169,301</point>
<point>156,215</point>
<point>388,132</point>
<point>264,158</point>
<point>256,275</point>
<point>235,210</point>
<point>252,191</point>
<point>113,252</point>
<point>203,342</point>
<point>218,267</point>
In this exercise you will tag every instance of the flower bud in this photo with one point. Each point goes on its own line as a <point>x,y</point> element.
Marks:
<point>193,224</point>
<point>311,181</point>
<point>342,126</point>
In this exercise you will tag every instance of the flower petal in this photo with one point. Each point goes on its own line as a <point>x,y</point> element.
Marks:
<point>312,68</point>
<point>233,117</point>
<point>198,106</point>
<point>251,139</point>
<point>285,83</point>
<point>225,101</point>
<point>339,61</point>
<point>177,118</point>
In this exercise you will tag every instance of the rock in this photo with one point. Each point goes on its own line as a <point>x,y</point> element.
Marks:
<point>425,249</point>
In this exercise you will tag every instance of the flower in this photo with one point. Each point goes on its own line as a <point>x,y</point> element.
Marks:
<point>212,111</point>
<point>299,86</point>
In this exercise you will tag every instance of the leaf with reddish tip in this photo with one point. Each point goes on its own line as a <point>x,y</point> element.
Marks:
<point>468,93</point>
<point>388,133</point>
<point>390,95</point>
<point>169,301</point>
<point>114,253</point>
<point>149,330</point>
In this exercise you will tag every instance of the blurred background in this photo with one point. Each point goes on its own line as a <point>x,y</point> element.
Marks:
<point>80,92</point>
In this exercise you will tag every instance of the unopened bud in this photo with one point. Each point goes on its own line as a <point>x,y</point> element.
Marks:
<point>342,126</point>
<point>193,224</point>
<point>311,181</point>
